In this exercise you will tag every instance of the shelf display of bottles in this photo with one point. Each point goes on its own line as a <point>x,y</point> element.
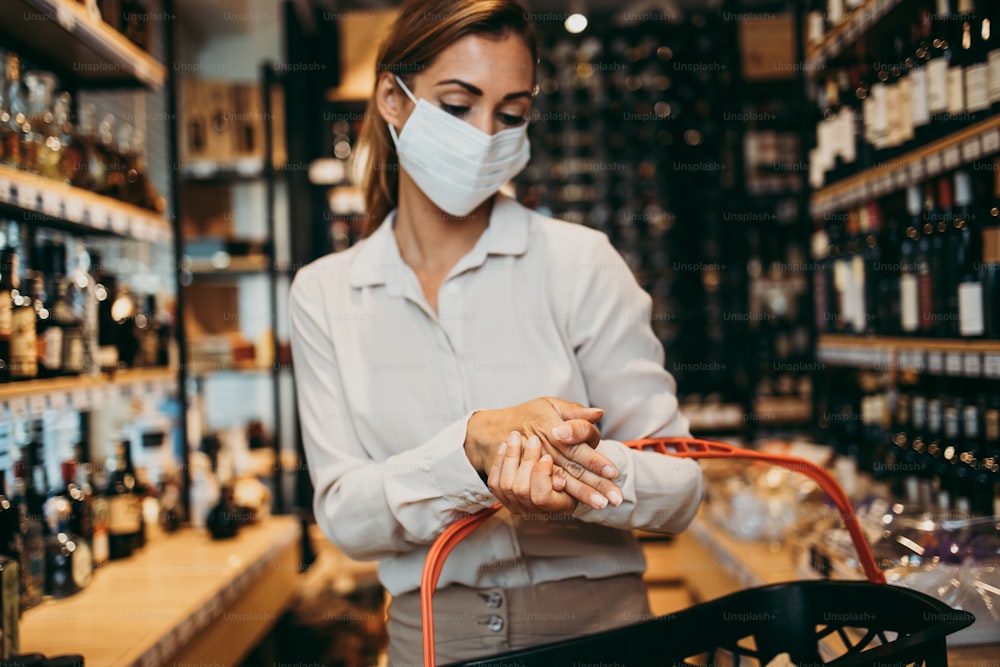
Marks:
<point>922,263</point>
<point>934,76</point>
<point>63,313</point>
<point>38,137</point>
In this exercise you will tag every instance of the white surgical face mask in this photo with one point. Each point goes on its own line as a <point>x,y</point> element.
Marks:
<point>455,164</point>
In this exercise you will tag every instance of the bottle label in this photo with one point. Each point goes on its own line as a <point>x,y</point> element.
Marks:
<point>892,119</point>
<point>977,93</point>
<point>124,514</point>
<point>835,10</point>
<point>909,317</point>
<point>880,118</point>
<point>72,357</point>
<point>993,67</point>
<point>815,27</point>
<point>99,519</point>
<point>23,344</point>
<point>83,564</point>
<point>970,309</point>
<point>925,299</point>
<point>858,284</point>
<point>6,319</point>
<point>50,348</point>
<point>937,85</point>
<point>919,110</point>
<point>991,245</point>
<point>956,90</point>
<point>848,148</point>
<point>904,93</point>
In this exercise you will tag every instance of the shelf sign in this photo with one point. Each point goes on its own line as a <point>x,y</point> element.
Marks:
<point>18,407</point>
<point>991,365</point>
<point>952,157</point>
<point>27,196</point>
<point>37,404</point>
<point>935,362</point>
<point>953,363</point>
<point>933,164</point>
<point>52,204</point>
<point>971,150</point>
<point>81,399</point>
<point>119,222</point>
<point>917,169</point>
<point>58,400</point>
<point>991,141</point>
<point>98,216</point>
<point>972,365</point>
<point>4,189</point>
<point>74,209</point>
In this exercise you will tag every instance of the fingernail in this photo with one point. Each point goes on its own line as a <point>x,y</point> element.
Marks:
<point>515,438</point>
<point>609,471</point>
<point>562,432</point>
<point>599,501</point>
<point>615,498</point>
<point>533,442</point>
<point>502,448</point>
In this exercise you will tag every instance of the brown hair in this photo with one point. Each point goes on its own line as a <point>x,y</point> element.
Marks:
<point>421,31</point>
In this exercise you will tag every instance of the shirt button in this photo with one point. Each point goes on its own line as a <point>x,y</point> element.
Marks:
<point>495,623</point>
<point>493,600</point>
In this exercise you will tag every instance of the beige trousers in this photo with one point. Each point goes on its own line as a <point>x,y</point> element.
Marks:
<point>475,623</point>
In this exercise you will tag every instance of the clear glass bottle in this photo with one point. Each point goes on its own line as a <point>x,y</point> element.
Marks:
<point>12,113</point>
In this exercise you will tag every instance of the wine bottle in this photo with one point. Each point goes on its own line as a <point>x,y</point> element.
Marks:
<point>987,477</point>
<point>919,105</point>
<point>23,344</point>
<point>977,76</point>
<point>32,542</point>
<point>12,114</point>
<point>913,466</point>
<point>960,43</point>
<point>909,282</point>
<point>937,69</point>
<point>99,513</point>
<point>69,563</point>
<point>967,460</point>
<point>924,259</point>
<point>990,269</point>
<point>968,302</point>
<point>124,508</point>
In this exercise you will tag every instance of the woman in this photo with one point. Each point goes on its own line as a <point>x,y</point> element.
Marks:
<point>445,363</point>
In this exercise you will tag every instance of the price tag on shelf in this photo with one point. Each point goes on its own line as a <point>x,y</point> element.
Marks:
<point>900,178</point>
<point>18,407</point>
<point>933,164</point>
<point>37,404</point>
<point>953,363</point>
<point>74,209</point>
<point>991,141</point>
<point>916,171</point>
<point>972,365</point>
<point>98,216</point>
<point>991,365</point>
<point>52,204</point>
<point>952,157</point>
<point>935,362</point>
<point>119,222</point>
<point>27,196</point>
<point>80,398</point>
<point>971,150</point>
<point>58,400</point>
<point>5,193</point>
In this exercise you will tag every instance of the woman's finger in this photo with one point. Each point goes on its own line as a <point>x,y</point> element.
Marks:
<point>522,480</point>
<point>543,494</point>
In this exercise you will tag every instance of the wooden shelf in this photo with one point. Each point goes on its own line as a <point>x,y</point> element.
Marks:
<point>33,397</point>
<point>941,156</point>
<point>935,356</point>
<point>182,599</point>
<point>242,169</point>
<point>62,35</point>
<point>43,201</point>
<point>847,33</point>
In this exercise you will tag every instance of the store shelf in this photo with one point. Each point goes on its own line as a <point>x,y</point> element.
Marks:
<point>33,397</point>
<point>859,22</point>
<point>967,145</point>
<point>782,410</point>
<point>958,358</point>
<point>46,202</point>
<point>242,169</point>
<point>62,34</point>
<point>207,368</point>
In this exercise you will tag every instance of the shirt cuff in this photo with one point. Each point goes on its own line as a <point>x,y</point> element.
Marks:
<point>611,515</point>
<point>453,474</point>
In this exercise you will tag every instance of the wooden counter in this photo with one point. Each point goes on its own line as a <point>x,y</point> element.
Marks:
<point>712,563</point>
<point>183,598</point>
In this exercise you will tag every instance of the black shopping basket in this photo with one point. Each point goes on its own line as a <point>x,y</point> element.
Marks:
<point>851,623</point>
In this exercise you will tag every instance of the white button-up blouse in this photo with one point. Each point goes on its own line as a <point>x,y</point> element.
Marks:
<point>385,387</point>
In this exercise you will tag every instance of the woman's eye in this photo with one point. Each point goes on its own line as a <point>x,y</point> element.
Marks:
<point>510,119</point>
<point>455,110</point>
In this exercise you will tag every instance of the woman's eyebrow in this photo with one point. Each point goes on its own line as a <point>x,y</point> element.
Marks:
<point>476,91</point>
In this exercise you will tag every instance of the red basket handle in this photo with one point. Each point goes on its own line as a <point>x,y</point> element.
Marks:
<point>687,448</point>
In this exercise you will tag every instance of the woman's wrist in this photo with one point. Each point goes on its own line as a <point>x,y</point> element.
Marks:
<point>474,448</point>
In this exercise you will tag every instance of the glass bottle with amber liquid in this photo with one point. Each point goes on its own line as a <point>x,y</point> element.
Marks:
<point>12,113</point>
<point>124,507</point>
<point>23,341</point>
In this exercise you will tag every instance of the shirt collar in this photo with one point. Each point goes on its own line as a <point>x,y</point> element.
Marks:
<point>378,261</point>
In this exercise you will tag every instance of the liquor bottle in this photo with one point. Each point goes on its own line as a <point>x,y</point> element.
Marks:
<point>986,500</point>
<point>78,492</point>
<point>10,608</point>
<point>23,344</point>
<point>968,301</point>
<point>945,454</point>
<point>141,492</point>
<point>12,114</point>
<point>820,245</point>
<point>924,259</point>
<point>147,333</point>
<point>7,264</point>
<point>937,69</point>
<point>124,509</point>
<point>48,338</point>
<point>887,265</point>
<point>913,465</point>
<point>961,45</point>
<point>930,452</point>
<point>123,311</point>
<point>92,173</point>
<point>32,564</point>
<point>82,297</point>
<point>977,76</point>
<point>62,318</point>
<point>40,154</point>
<point>69,563</point>
<point>990,269</point>
<point>899,444</point>
<point>96,479</point>
<point>61,140</point>
<point>105,289</point>
<point>939,213</point>
<point>967,460</point>
<point>920,109</point>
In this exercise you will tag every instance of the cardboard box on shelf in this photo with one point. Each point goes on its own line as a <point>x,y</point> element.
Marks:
<point>206,107</point>
<point>767,48</point>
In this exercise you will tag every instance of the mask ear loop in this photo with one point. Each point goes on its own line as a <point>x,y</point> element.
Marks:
<point>392,130</point>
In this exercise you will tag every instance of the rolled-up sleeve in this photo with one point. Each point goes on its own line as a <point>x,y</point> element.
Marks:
<point>368,508</point>
<point>608,325</point>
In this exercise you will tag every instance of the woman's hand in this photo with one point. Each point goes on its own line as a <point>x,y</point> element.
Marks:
<point>526,482</point>
<point>565,431</point>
